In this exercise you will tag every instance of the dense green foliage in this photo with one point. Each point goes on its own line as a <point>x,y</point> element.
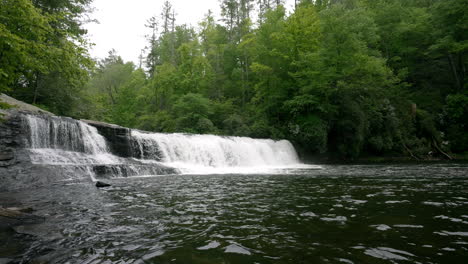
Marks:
<point>338,77</point>
<point>43,55</point>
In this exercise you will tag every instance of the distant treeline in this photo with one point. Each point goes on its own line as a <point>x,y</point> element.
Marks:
<point>340,77</point>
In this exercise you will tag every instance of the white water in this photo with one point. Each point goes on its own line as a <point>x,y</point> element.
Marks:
<point>65,141</point>
<point>201,154</point>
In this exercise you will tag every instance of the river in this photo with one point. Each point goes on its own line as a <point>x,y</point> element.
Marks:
<point>328,214</point>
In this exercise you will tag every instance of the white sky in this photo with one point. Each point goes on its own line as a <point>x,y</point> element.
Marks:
<point>122,23</point>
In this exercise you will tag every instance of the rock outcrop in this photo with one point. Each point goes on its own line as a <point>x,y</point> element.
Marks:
<point>22,106</point>
<point>117,137</point>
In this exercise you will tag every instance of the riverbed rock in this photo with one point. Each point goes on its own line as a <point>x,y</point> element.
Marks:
<point>10,217</point>
<point>27,210</point>
<point>132,168</point>
<point>100,184</point>
<point>7,157</point>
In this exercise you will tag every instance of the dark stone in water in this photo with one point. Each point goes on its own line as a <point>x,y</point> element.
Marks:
<point>100,184</point>
<point>10,217</point>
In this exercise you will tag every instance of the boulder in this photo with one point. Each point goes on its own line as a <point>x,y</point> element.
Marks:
<point>100,184</point>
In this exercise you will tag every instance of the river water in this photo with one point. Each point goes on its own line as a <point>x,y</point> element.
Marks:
<point>331,214</point>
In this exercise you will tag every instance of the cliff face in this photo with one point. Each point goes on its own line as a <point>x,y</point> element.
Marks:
<point>118,137</point>
<point>10,130</point>
<point>38,148</point>
<point>16,168</point>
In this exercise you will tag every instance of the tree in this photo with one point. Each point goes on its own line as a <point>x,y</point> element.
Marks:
<point>229,13</point>
<point>167,17</point>
<point>345,78</point>
<point>193,112</point>
<point>127,100</point>
<point>107,83</point>
<point>43,44</point>
<point>213,42</point>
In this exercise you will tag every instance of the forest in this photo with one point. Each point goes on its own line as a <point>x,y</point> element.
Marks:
<point>338,78</point>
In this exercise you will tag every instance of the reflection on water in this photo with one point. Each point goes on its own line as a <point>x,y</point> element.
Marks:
<point>340,214</point>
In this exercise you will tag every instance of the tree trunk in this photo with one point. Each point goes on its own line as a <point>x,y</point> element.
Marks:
<point>411,153</point>
<point>36,89</point>
<point>111,95</point>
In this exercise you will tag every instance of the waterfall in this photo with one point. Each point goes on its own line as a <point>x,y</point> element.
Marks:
<point>65,134</point>
<point>59,140</point>
<point>77,149</point>
<point>209,153</point>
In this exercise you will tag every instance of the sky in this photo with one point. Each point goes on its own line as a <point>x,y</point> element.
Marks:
<point>121,23</point>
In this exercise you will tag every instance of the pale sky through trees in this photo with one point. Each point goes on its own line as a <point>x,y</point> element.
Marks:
<point>122,23</point>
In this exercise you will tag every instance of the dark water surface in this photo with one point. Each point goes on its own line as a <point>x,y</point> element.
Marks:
<point>338,214</point>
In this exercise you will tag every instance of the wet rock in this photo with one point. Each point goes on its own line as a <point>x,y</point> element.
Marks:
<point>133,168</point>
<point>100,184</point>
<point>22,106</point>
<point>118,138</point>
<point>21,209</point>
<point>6,156</point>
<point>10,217</point>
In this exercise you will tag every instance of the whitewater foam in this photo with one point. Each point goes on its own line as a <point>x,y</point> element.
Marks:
<point>210,154</point>
<point>65,141</point>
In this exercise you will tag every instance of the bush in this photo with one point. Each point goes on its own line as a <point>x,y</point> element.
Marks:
<point>161,121</point>
<point>234,125</point>
<point>260,129</point>
<point>456,117</point>
<point>310,131</point>
<point>348,134</point>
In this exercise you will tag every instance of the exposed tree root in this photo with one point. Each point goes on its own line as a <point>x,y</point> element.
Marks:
<point>411,153</point>
<point>440,150</point>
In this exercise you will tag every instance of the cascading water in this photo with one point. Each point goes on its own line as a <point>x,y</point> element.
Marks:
<point>59,141</point>
<point>215,154</point>
<point>74,146</point>
<point>56,140</point>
